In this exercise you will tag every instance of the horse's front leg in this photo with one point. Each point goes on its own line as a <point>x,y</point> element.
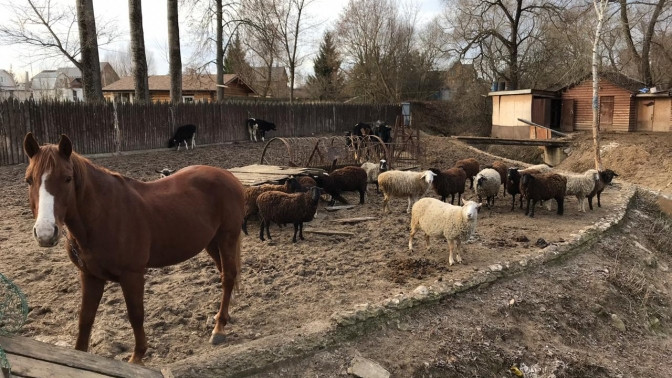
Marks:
<point>92,291</point>
<point>133,287</point>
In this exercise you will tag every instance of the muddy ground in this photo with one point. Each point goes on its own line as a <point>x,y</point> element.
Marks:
<point>286,285</point>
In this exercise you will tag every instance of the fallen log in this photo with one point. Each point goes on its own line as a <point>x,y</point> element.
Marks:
<point>353,220</point>
<point>330,232</point>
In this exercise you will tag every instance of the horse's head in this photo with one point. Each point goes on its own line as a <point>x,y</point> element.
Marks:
<point>51,186</point>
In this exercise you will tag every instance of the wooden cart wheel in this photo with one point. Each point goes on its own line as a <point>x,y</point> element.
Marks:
<point>277,151</point>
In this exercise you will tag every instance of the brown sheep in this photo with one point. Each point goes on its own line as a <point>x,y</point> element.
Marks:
<point>541,187</point>
<point>306,182</point>
<point>252,192</point>
<point>471,167</point>
<point>281,208</point>
<point>502,169</point>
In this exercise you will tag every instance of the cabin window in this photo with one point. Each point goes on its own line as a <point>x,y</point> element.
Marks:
<point>188,99</point>
<point>74,95</point>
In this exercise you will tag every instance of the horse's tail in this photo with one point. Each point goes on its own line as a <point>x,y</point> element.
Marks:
<point>237,261</point>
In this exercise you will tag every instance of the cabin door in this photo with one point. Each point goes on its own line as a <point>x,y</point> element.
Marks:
<point>645,115</point>
<point>661,114</point>
<point>606,112</point>
<point>567,117</point>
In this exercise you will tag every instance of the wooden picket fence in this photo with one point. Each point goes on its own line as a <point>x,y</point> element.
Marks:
<point>91,127</point>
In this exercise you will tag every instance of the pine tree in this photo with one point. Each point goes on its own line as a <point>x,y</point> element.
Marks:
<point>327,82</point>
<point>235,62</point>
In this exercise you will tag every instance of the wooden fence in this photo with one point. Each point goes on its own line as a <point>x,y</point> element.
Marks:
<point>91,127</point>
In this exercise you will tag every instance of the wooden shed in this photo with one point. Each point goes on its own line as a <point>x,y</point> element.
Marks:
<point>654,111</point>
<point>540,107</point>
<point>616,100</point>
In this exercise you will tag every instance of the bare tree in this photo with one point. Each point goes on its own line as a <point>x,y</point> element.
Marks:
<point>48,30</point>
<point>138,51</point>
<point>500,31</point>
<point>122,62</point>
<point>640,10</point>
<point>174,53</point>
<point>289,14</point>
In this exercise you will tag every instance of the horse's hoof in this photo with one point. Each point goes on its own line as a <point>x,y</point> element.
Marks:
<point>217,338</point>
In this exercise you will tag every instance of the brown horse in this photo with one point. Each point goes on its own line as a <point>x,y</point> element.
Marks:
<point>117,227</point>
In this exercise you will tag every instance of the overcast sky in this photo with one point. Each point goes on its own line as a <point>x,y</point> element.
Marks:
<point>18,57</point>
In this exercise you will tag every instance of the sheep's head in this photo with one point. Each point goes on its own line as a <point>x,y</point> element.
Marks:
<point>470,209</point>
<point>428,176</point>
<point>383,166</point>
<point>480,180</point>
<point>607,175</point>
<point>292,185</point>
<point>165,172</point>
<point>315,193</point>
<point>512,174</point>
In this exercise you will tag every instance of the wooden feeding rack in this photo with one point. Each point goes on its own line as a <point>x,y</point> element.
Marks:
<point>328,153</point>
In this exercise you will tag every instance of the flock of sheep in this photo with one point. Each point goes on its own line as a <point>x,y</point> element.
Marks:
<point>296,200</point>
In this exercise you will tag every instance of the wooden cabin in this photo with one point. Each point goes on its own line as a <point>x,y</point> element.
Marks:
<point>194,88</point>
<point>540,107</point>
<point>617,103</point>
<point>622,108</point>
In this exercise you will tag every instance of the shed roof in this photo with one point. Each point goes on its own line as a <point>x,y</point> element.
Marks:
<point>629,84</point>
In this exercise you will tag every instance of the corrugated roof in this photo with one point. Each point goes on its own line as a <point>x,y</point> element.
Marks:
<point>203,83</point>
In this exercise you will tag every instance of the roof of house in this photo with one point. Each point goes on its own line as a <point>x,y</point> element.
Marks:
<point>617,78</point>
<point>204,83</point>
<point>277,73</point>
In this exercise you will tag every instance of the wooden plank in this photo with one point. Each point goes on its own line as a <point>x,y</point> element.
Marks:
<point>342,207</point>
<point>22,346</point>
<point>353,220</point>
<point>27,367</point>
<point>330,232</point>
<point>271,169</point>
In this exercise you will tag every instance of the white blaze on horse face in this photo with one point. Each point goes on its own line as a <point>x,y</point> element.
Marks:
<point>45,225</point>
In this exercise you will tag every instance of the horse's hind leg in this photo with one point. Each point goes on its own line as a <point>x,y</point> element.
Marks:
<point>92,292</point>
<point>133,287</point>
<point>229,257</point>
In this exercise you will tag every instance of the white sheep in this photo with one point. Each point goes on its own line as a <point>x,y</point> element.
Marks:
<point>400,184</point>
<point>373,170</point>
<point>488,182</point>
<point>436,218</point>
<point>540,168</point>
<point>581,185</point>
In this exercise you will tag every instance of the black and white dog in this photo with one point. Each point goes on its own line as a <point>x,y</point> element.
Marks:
<point>258,127</point>
<point>183,134</point>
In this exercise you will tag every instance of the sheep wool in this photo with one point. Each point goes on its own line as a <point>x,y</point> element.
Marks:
<point>373,170</point>
<point>471,167</point>
<point>449,182</point>
<point>401,184</point>
<point>282,208</point>
<point>487,185</point>
<point>580,185</point>
<point>436,218</point>
<point>539,168</point>
<point>252,192</point>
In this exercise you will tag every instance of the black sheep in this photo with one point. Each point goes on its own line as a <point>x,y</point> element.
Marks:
<point>449,182</point>
<point>346,179</point>
<point>542,187</point>
<point>605,179</point>
<point>513,186</point>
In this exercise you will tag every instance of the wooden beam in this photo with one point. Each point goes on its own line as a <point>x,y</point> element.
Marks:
<point>353,220</point>
<point>19,348</point>
<point>330,232</point>
<point>343,207</point>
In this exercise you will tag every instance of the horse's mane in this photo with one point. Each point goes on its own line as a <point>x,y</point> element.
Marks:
<point>49,153</point>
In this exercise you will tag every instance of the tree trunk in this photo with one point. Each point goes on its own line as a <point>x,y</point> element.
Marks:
<point>174,53</point>
<point>599,9</point>
<point>138,51</point>
<point>90,63</point>
<point>220,51</point>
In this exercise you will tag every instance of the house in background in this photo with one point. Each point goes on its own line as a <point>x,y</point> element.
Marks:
<point>194,88</point>
<point>9,88</point>
<point>276,87</point>
<point>65,83</point>
<point>623,107</point>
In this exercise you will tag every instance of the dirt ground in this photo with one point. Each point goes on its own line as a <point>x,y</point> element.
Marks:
<point>285,284</point>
